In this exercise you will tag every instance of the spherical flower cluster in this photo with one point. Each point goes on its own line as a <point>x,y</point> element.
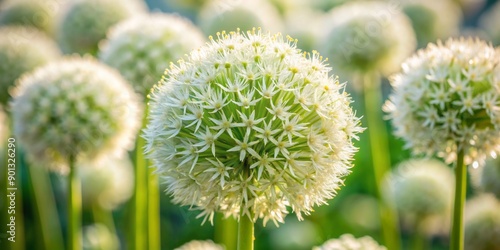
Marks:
<point>40,14</point>
<point>141,48</point>
<point>362,36</point>
<point>85,22</point>
<point>487,177</point>
<point>422,191</point>
<point>108,182</point>
<point>21,50</point>
<point>433,20</point>
<point>482,223</point>
<point>349,242</point>
<point>448,94</point>
<point>489,22</point>
<point>217,16</point>
<point>250,123</point>
<point>98,236</point>
<point>74,108</point>
<point>200,245</point>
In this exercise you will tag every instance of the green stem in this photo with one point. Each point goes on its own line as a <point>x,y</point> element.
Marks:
<point>225,231</point>
<point>104,217</point>
<point>418,238</point>
<point>379,147</point>
<point>245,232</point>
<point>457,231</point>
<point>153,211</point>
<point>74,207</point>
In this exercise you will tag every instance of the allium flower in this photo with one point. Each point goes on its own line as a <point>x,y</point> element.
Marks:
<point>85,22</point>
<point>108,182</point>
<point>40,14</point>
<point>349,242</point>
<point>422,191</point>
<point>362,36</point>
<point>433,20</point>
<point>448,94</point>
<point>221,15</point>
<point>308,32</point>
<point>249,122</point>
<point>74,107</point>
<point>489,22</point>
<point>141,48</point>
<point>482,223</point>
<point>200,245</point>
<point>487,177</point>
<point>21,50</point>
<point>98,236</point>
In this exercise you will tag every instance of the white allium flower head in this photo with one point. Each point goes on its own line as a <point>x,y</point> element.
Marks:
<point>482,223</point>
<point>362,36</point>
<point>489,22</point>
<point>200,245</point>
<point>349,242</point>
<point>433,20</point>
<point>448,94</point>
<point>75,107</point>
<point>21,50</point>
<point>421,190</point>
<point>98,236</point>
<point>108,182</point>
<point>219,15</point>
<point>249,121</point>
<point>85,22</point>
<point>40,14</point>
<point>142,47</point>
<point>487,178</point>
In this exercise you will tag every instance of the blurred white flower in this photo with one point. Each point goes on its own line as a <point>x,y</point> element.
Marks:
<point>422,191</point>
<point>40,14</point>
<point>74,108</point>
<point>97,237</point>
<point>248,121</point>
<point>482,223</point>
<point>307,32</point>
<point>85,22</point>
<point>230,15</point>
<point>22,49</point>
<point>448,94</point>
<point>362,36</point>
<point>489,22</point>
<point>349,242</point>
<point>487,178</point>
<point>142,47</point>
<point>200,245</point>
<point>108,182</point>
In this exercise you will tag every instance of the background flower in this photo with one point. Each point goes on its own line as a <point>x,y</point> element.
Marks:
<point>349,242</point>
<point>448,94</point>
<point>21,50</point>
<point>489,23</point>
<point>248,122</point>
<point>74,107</point>
<point>200,245</point>
<point>142,47</point>
<point>97,236</point>
<point>40,14</point>
<point>487,178</point>
<point>482,223</point>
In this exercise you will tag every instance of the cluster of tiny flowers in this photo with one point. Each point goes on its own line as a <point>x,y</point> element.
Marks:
<point>486,178</point>
<point>489,22</point>
<point>200,245</point>
<point>86,22</point>
<point>448,94</point>
<point>107,182</point>
<point>98,236</point>
<point>482,223</point>
<point>142,47</point>
<point>40,14</point>
<point>349,242</point>
<point>74,107</point>
<point>224,15</point>
<point>422,191</point>
<point>363,36</point>
<point>433,20</point>
<point>249,123</point>
<point>21,50</point>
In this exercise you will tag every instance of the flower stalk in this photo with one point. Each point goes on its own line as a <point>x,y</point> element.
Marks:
<point>245,232</point>
<point>74,207</point>
<point>457,231</point>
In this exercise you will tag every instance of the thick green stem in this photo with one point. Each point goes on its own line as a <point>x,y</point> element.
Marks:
<point>379,147</point>
<point>153,211</point>
<point>457,231</point>
<point>140,228</point>
<point>419,241</point>
<point>74,207</point>
<point>225,231</point>
<point>245,232</point>
<point>104,217</point>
